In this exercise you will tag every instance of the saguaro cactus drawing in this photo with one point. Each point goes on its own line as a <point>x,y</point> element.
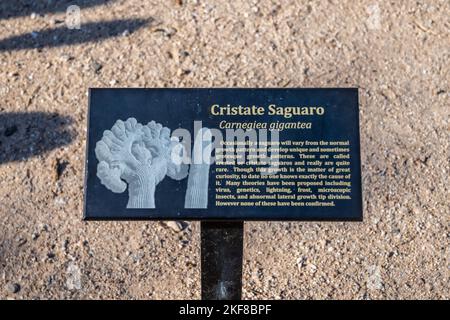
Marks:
<point>198,181</point>
<point>137,156</point>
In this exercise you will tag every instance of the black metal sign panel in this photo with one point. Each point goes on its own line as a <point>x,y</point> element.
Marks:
<point>242,154</point>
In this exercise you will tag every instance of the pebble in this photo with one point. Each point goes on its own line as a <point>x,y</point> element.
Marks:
<point>21,241</point>
<point>126,33</point>
<point>312,268</point>
<point>13,287</point>
<point>56,21</point>
<point>168,32</point>
<point>176,226</point>
<point>50,280</point>
<point>65,246</point>
<point>96,67</point>
<point>59,201</point>
<point>301,262</point>
<point>73,280</point>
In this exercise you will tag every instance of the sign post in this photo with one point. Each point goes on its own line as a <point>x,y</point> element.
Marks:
<point>223,156</point>
<point>221,251</point>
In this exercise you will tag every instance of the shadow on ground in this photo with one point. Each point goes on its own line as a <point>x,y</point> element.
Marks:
<point>27,134</point>
<point>63,36</point>
<point>19,8</point>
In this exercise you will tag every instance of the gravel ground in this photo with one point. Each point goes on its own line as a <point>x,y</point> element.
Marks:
<point>396,52</point>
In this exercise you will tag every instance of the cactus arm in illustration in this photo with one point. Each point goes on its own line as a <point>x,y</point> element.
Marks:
<point>157,139</point>
<point>136,156</point>
<point>198,180</point>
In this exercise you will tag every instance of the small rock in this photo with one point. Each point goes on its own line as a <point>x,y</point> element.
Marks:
<point>56,21</point>
<point>113,82</point>
<point>96,67</point>
<point>34,236</point>
<point>13,287</point>
<point>374,278</point>
<point>392,254</point>
<point>388,93</point>
<point>33,15</point>
<point>59,201</point>
<point>65,246</point>
<point>312,268</point>
<point>183,72</point>
<point>176,226</point>
<point>167,32</point>
<point>60,166</point>
<point>21,241</point>
<point>50,280</point>
<point>301,262</point>
<point>73,280</point>
<point>125,33</point>
<point>137,257</point>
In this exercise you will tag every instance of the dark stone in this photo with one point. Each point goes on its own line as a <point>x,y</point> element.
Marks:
<point>60,167</point>
<point>96,67</point>
<point>13,287</point>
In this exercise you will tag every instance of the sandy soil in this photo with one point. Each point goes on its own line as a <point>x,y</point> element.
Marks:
<point>397,52</point>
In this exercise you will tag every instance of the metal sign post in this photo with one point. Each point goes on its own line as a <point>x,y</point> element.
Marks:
<point>221,254</point>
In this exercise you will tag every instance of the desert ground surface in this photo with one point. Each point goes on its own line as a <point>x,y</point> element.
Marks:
<point>396,52</point>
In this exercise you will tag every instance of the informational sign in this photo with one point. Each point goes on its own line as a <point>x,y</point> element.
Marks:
<point>223,154</point>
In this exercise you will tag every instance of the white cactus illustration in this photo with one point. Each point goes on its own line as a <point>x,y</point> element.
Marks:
<point>197,188</point>
<point>139,157</point>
